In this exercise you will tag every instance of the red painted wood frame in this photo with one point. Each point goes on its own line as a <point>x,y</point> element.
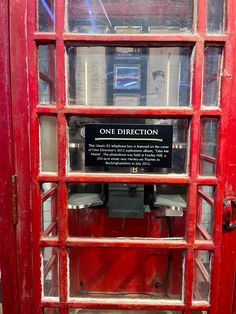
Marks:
<point>26,43</point>
<point>8,257</point>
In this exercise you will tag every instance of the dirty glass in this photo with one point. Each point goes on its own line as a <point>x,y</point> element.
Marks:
<point>205,213</point>
<point>90,311</point>
<point>46,15</point>
<point>50,272</point>
<point>202,275</point>
<point>51,310</point>
<point>208,149</point>
<point>129,17</point>
<point>212,75</point>
<point>48,143</point>
<point>127,210</point>
<point>76,145</point>
<point>125,76</point>
<point>46,74</point>
<point>126,273</point>
<point>49,214</point>
<point>215,16</point>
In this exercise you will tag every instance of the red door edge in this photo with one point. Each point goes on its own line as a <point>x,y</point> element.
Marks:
<point>15,241</point>
<point>20,117</point>
<point>227,289</point>
<point>7,230</point>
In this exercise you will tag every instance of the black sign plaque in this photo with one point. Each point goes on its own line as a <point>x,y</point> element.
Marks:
<point>123,145</point>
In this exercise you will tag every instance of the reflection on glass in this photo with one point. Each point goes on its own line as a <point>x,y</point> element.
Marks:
<point>50,310</point>
<point>127,210</point>
<point>85,311</point>
<point>48,143</point>
<point>76,144</point>
<point>46,74</point>
<point>129,17</point>
<point>124,76</point>
<point>50,270</point>
<point>215,16</point>
<point>49,209</point>
<point>46,15</point>
<point>212,74</point>
<point>208,150</point>
<point>202,276</point>
<point>205,216</point>
<point>199,312</point>
<point>126,273</point>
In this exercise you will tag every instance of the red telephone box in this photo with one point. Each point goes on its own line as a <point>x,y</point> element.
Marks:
<point>119,181</point>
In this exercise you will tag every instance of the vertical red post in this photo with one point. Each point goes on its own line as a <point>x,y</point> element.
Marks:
<point>20,109</point>
<point>8,266</point>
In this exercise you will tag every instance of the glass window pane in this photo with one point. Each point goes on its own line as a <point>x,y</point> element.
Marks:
<point>48,143</point>
<point>127,210</point>
<point>126,273</point>
<point>207,168</point>
<point>129,17</point>
<point>215,16</point>
<point>76,147</point>
<point>50,272</point>
<point>46,15</point>
<point>208,149</point>
<point>46,74</point>
<point>125,76</point>
<point>202,276</point>
<point>199,312</point>
<point>50,310</point>
<point>205,215</point>
<point>49,210</point>
<point>212,75</point>
<point>90,311</point>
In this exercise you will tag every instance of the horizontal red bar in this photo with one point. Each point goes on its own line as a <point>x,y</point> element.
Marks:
<point>99,304</point>
<point>131,37</point>
<point>124,178</point>
<point>204,245</point>
<point>124,304</point>
<point>211,112</point>
<point>120,38</point>
<point>116,177</point>
<point>52,242</point>
<point>124,111</point>
<point>47,37</point>
<point>127,243</point>
<point>207,180</point>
